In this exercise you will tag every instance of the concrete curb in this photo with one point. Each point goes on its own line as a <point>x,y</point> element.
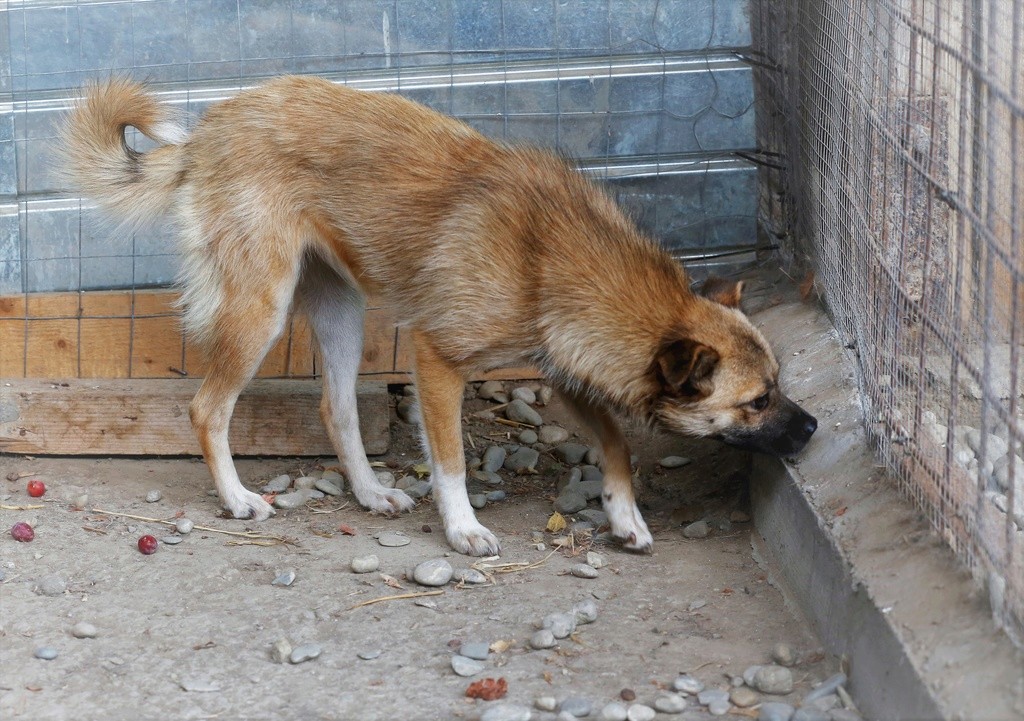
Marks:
<point>880,588</point>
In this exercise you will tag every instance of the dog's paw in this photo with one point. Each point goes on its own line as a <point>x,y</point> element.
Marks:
<point>628,526</point>
<point>247,505</point>
<point>388,501</point>
<point>473,540</point>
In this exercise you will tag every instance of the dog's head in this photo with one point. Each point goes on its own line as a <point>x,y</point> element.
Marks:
<point>718,378</point>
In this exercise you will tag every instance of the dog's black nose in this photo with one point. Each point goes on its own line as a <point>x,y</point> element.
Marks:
<point>810,426</point>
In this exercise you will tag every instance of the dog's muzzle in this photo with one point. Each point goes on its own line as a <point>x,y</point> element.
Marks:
<point>785,435</point>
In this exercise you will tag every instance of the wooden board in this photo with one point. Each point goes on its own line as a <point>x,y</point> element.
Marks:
<point>126,334</point>
<point>150,417</point>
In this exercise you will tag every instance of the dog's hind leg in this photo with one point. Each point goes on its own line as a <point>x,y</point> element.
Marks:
<point>439,385</point>
<point>617,490</point>
<point>247,324</point>
<point>335,309</point>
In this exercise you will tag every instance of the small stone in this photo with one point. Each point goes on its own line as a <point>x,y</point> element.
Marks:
<point>304,652</point>
<point>334,477</point>
<point>184,526</point>
<point>552,435</point>
<point>569,501</point>
<point>589,489</point>
<point>277,484</point>
<point>466,667</point>
<point>487,389</point>
<point>687,684</point>
<point>435,572</point>
<point>494,458</point>
<point>51,585</point>
<point>315,494</point>
<point>614,711</point>
<point>528,437</point>
<point>478,650</point>
<point>46,653</point>
<point>585,612</point>
<point>304,483</point>
<point>561,625</point>
<point>826,688</point>
<point>639,712</point>
<point>593,456</point>
<point>284,578</point>
<point>670,703</point>
<point>738,516</point>
<point>810,713</point>
<point>325,486</point>
<point>478,500</point>
<point>280,651</point>
<point>524,394</point>
<point>583,570</point>
<point>571,453</point>
<point>365,564</point>
<point>495,496</point>
<point>573,477</point>
<point>407,410</point>
<point>542,639</point>
<point>696,604</point>
<point>544,395</point>
<point>393,539</point>
<point>774,680</point>
<point>743,697</point>
<point>506,712</point>
<point>783,654</point>
<point>673,462</point>
<point>83,629</point>
<point>545,703</point>
<point>577,706</point>
<point>419,489</point>
<point>370,654</point>
<point>711,695</point>
<point>295,499</point>
<point>719,708</point>
<point>520,412</point>
<point>385,478</point>
<point>171,540</point>
<point>591,473</point>
<point>468,575</point>
<point>199,684</point>
<point>697,529</point>
<point>844,714</point>
<point>775,711</point>
<point>627,694</point>
<point>596,516</point>
<point>154,496</point>
<point>523,461</point>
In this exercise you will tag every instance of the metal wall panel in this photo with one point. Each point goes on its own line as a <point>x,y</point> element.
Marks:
<point>647,94</point>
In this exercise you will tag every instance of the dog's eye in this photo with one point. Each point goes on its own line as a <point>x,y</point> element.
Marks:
<point>760,403</point>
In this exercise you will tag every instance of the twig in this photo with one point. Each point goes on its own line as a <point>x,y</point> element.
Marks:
<point>511,567</point>
<point>469,437</point>
<point>514,424</point>
<point>395,598</point>
<point>21,508</point>
<point>94,530</point>
<point>491,409</point>
<point>242,534</point>
<point>331,510</point>
<point>257,542</point>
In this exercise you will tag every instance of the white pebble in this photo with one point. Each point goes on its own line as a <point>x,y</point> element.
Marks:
<point>614,711</point>
<point>639,712</point>
<point>546,703</point>
<point>83,629</point>
<point>153,496</point>
<point>688,684</point>
<point>561,625</point>
<point>365,564</point>
<point>184,526</point>
<point>585,611</point>
<point>542,639</point>
<point>582,570</point>
<point>670,703</point>
<point>595,559</point>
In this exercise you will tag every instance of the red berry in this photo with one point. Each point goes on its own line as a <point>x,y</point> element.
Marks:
<point>147,545</point>
<point>21,531</point>
<point>36,488</point>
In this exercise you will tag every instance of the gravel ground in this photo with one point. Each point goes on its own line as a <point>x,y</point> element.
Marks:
<point>210,625</point>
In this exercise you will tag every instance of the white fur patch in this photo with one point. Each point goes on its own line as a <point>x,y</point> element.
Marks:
<point>168,132</point>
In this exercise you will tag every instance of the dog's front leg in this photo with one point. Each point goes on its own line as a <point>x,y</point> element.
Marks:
<point>617,490</point>
<point>439,386</point>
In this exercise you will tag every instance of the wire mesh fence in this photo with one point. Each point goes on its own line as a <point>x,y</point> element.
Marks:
<point>899,129</point>
<point>649,97</point>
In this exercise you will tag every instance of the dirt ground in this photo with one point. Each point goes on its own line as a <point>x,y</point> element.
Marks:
<point>204,614</point>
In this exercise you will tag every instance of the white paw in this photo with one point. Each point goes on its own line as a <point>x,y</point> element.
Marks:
<point>248,505</point>
<point>385,500</point>
<point>473,540</point>
<point>628,525</point>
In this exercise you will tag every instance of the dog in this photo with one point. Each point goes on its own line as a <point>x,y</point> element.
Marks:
<point>302,192</point>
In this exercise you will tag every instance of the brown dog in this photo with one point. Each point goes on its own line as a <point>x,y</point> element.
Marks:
<point>305,191</point>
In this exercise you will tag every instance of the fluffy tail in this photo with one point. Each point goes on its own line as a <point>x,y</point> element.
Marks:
<point>135,188</point>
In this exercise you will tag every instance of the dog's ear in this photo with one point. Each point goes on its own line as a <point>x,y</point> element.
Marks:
<point>684,369</point>
<point>720,290</point>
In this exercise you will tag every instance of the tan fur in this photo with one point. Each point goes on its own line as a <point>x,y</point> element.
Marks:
<point>491,254</point>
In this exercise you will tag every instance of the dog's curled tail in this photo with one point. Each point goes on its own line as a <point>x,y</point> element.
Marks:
<point>135,188</point>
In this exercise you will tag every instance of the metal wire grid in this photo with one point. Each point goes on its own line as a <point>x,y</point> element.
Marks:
<point>651,97</point>
<point>902,127</point>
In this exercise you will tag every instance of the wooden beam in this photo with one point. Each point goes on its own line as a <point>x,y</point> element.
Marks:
<point>150,417</point>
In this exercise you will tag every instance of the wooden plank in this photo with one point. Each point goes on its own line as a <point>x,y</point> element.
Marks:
<point>150,417</point>
<point>52,349</point>
<point>12,348</point>
<point>156,348</point>
<point>105,347</point>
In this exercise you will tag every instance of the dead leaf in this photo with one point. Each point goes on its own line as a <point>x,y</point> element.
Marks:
<point>347,529</point>
<point>556,523</point>
<point>421,469</point>
<point>841,511</point>
<point>200,647</point>
<point>501,645</point>
<point>548,676</point>
<point>269,497</point>
<point>807,285</point>
<point>488,689</point>
<point>391,581</point>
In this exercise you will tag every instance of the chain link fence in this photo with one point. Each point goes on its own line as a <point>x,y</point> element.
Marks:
<point>894,131</point>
